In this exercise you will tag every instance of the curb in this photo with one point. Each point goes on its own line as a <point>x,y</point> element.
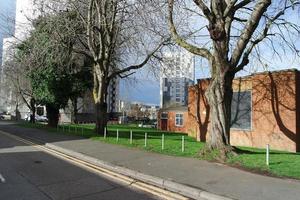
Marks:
<point>182,189</point>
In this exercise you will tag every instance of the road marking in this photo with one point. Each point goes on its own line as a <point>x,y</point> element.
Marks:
<point>162,193</point>
<point>2,179</point>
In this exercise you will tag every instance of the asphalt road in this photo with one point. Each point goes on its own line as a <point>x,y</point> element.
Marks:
<point>26,173</point>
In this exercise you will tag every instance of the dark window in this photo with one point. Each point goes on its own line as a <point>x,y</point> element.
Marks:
<point>40,111</point>
<point>164,115</point>
<point>241,110</point>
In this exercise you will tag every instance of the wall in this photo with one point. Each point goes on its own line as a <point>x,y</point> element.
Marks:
<point>171,120</point>
<point>298,111</point>
<point>275,111</point>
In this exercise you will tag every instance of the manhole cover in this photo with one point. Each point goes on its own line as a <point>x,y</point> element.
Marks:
<point>37,162</point>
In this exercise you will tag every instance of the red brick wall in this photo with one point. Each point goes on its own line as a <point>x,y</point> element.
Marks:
<point>171,121</point>
<point>298,111</point>
<point>275,111</point>
<point>198,116</point>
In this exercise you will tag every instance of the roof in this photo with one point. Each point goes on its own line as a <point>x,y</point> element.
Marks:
<point>257,73</point>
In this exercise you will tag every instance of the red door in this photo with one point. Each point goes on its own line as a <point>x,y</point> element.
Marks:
<point>164,124</point>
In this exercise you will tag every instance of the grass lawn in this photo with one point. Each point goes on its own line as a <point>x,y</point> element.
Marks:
<point>282,164</point>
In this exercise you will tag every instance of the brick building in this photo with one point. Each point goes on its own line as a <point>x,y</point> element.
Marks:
<point>265,110</point>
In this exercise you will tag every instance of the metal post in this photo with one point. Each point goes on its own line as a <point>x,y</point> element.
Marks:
<point>117,135</point>
<point>145,139</point>
<point>182,144</point>
<point>130,136</point>
<point>268,154</point>
<point>104,132</point>
<point>163,142</point>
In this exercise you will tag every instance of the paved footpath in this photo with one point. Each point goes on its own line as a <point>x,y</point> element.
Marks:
<point>214,178</point>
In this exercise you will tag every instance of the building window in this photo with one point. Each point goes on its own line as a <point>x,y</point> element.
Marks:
<point>40,111</point>
<point>179,120</point>
<point>164,115</point>
<point>241,110</point>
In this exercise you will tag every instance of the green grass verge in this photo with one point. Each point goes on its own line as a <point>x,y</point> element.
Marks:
<point>283,164</point>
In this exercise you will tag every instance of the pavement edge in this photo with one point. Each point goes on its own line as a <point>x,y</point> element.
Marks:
<point>182,189</point>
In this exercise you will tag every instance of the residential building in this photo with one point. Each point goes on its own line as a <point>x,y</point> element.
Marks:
<point>113,95</point>
<point>265,110</point>
<point>177,74</point>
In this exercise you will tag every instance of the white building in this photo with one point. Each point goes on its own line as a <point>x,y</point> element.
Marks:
<point>26,11</point>
<point>177,74</point>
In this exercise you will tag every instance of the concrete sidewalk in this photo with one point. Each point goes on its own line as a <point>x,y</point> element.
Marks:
<point>214,178</point>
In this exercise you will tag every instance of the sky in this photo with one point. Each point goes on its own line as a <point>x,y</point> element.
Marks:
<point>7,8</point>
<point>144,86</point>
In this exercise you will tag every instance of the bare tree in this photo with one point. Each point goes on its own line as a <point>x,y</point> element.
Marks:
<point>229,34</point>
<point>117,40</point>
<point>16,82</point>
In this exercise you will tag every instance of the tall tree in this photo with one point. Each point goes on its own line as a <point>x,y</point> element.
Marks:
<point>16,81</point>
<point>116,41</point>
<point>235,28</point>
<point>52,70</point>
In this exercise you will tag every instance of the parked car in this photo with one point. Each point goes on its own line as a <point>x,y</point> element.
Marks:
<point>4,116</point>
<point>38,118</point>
<point>41,118</point>
<point>148,125</point>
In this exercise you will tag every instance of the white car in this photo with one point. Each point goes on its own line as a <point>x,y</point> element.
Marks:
<point>38,118</point>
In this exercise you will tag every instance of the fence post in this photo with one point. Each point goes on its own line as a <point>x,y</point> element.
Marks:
<point>69,128</point>
<point>117,135</point>
<point>130,136</point>
<point>268,154</point>
<point>104,132</point>
<point>81,130</point>
<point>163,142</point>
<point>145,139</point>
<point>182,144</point>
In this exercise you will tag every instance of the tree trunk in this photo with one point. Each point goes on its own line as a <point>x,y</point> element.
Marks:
<point>17,112</point>
<point>52,115</point>
<point>100,93</point>
<point>74,110</point>
<point>33,110</point>
<point>101,117</point>
<point>219,96</point>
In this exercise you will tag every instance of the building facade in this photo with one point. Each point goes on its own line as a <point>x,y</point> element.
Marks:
<point>265,110</point>
<point>25,12</point>
<point>177,74</point>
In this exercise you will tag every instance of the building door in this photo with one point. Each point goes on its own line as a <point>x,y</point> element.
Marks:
<point>164,124</point>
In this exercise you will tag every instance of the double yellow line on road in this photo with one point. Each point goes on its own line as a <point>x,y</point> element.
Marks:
<point>156,191</point>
